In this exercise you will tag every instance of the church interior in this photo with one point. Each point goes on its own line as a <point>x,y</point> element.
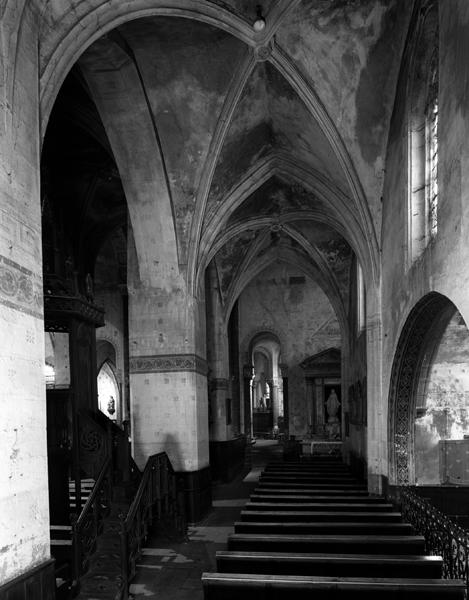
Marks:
<point>222,223</point>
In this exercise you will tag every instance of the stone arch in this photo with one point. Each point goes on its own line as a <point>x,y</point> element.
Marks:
<point>107,350</point>
<point>405,375</point>
<point>59,55</point>
<point>255,335</point>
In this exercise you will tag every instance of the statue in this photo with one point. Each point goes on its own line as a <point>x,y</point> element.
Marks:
<point>333,423</point>
<point>332,405</point>
<point>111,405</point>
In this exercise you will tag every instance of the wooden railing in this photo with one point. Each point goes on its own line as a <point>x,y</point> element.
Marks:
<point>442,536</point>
<point>88,526</point>
<point>159,496</point>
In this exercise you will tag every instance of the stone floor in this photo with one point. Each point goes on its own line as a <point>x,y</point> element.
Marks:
<point>170,569</point>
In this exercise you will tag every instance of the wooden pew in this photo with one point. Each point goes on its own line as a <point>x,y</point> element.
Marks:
<point>343,516</point>
<point>327,527</point>
<point>298,485</point>
<point>233,586</point>
<point>320,495</point>
<point>350,544</point>
<point>331,565</point>
<point>261,502</point>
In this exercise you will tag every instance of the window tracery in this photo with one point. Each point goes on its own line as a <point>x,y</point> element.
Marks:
<point>423,134</point>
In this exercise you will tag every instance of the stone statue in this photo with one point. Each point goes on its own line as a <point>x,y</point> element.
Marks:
<point>111,405</point>
<point>332,405</point>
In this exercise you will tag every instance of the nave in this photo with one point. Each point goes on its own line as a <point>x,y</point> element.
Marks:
<point>311,529</point>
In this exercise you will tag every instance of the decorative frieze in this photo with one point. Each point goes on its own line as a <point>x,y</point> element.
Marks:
<point>20,288</point>
<point>165,363</point>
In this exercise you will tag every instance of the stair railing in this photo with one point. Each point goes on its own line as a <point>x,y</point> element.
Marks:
<point>443,536</point>
<point>89,525</point>
<point>159,496</point>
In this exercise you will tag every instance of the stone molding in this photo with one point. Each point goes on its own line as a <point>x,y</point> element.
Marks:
<point>405,374</point>
<point>168,363</point>
<point>219,383</point>
<point>20,288</point>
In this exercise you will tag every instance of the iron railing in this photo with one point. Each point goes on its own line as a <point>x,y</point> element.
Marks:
<point>442,536</point>
<point>159,496</point>
<point>89,525</point>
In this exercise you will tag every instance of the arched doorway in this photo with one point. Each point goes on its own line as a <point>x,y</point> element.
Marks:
<point>429,396</point>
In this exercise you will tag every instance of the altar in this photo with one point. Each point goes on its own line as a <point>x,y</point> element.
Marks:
<point>310,447</point>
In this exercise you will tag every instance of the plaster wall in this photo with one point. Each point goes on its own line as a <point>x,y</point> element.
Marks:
<point>443,266</point>
<point>443,409</point>
<point>24,507</point>
<point>302,317</point>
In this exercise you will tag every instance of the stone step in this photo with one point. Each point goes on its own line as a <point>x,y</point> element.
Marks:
<point>326,527</point>
<point>60,532</point>
<point>306,504</point>
<point>356,544</point>
<point>331,565</point>
<point>106,561</point>
<point>97,585</point>
<point>285,516</point>
<point>232,586</point>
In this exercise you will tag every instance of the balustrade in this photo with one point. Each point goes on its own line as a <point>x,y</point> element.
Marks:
<point>88,526</point>
<point>442,536</point>
<point>159,496</point>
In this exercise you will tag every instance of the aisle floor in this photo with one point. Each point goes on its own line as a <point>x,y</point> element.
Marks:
<point>169,568</point>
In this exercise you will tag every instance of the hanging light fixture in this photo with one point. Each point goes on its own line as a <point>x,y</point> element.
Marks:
<point>259,23</point>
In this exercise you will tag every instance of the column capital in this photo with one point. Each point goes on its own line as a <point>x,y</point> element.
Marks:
<point>248,371</point>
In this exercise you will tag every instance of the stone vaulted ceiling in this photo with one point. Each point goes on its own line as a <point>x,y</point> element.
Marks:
<point>260,147</point>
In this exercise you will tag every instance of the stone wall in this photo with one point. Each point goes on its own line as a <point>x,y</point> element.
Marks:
<point>443,266</point>
<point>443,408</point>
<point>303,319</point>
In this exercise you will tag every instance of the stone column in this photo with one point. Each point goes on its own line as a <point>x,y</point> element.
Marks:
<point>275,401</point>
<point>284,373</point>
<point>377,423</point>
<point>24,499</point>
<point>168,385</point>
<point>168,377</point>
<point>217,358</point>
<point>218,397</point>
<point>247,377</point>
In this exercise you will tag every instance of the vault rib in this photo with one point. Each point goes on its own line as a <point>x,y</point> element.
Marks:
<point>312,102</point>
<point>223,124</point>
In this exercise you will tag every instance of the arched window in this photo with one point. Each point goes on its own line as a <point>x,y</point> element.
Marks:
<point>108,391</point>
<point>423,133</point>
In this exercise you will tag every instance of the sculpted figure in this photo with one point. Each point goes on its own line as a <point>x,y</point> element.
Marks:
<point>332,405</point>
